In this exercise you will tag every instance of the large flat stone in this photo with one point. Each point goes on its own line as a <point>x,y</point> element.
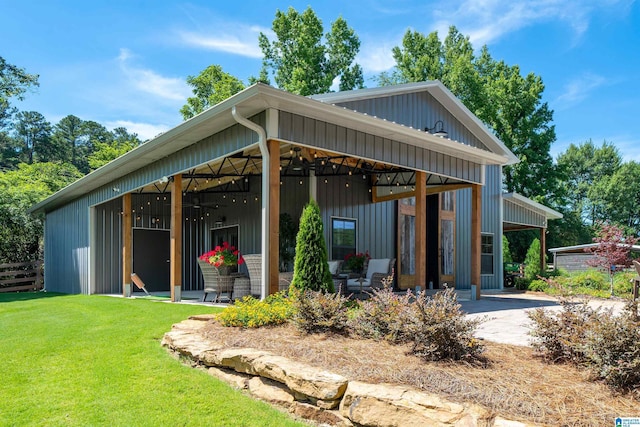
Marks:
<point>269,390</point>
<point>316,383</point>
<point>236,379</point>
<point>387,405</point>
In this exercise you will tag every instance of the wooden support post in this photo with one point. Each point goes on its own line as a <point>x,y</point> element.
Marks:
<point>273,257</point>
<point>421,229</point>
<point>127,246</point>
<point>176,239</point>
<point>476,238</point>
<point>543,250</point>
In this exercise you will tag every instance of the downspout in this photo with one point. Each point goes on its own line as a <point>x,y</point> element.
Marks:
<point>266,161</point>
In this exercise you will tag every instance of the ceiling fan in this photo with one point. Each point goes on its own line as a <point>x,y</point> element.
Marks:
<point>196,203</point>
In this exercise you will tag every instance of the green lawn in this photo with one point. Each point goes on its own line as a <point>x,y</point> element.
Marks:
<point>97,360</point>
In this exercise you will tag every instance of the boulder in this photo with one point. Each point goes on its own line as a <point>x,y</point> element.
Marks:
<point>239,359</point>
<point>393,405</point>
<point>320,416</point>
<point>187,343</point>
<point>270,391</point>
<point>313,382</point>
<point>236,379</point>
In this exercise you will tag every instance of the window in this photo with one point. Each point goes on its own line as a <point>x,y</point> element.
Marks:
<point>486,254</point>
<point>343,237</point>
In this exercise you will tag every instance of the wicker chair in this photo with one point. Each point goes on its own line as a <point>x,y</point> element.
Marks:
<point>254,268</point>
<point>213,284</point>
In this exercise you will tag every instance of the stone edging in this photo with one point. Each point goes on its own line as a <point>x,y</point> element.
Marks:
<point>322,396</point>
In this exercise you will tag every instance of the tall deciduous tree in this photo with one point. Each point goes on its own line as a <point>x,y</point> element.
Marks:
<point>302,62</point>
<point>505,100</point>
<point>14,82</point>
<point>21,233</point>
<point>583,169</point>
<point>120,143</point>
<point>210,87</point>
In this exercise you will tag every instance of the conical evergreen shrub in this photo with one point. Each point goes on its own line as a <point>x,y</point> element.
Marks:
<point>311,268</point>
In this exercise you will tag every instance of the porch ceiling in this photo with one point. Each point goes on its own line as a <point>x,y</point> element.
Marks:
<point>249,102</point>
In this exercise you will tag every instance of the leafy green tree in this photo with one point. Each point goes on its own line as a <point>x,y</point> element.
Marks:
<point>14,82</point>
<point>302,62</point>
<point>74,140</point>
<point>583,169</point>
<point>120,143</point>
<point>21,233</point>
<point>311,268</point>
<point>32,131</point>
<point>210,87</point>
<point>532,261</point>
<point>619,194</point>
<point>505,100</point>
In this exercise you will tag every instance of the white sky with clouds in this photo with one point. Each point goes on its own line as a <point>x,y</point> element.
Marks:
<point>125,63</point>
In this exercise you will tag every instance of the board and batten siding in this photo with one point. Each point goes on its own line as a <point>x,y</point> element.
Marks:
<point>67,230</point>
<point>491,224</point>
<point>66,248</point>
<point>376,222</point>
<point>338,139</point>
<point>418,110</point>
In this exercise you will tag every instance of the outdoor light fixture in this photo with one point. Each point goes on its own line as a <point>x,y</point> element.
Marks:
<point>296,163</point>
<point>439,131</point>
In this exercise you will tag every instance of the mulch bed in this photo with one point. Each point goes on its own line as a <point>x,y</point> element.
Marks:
<point>513,382</point>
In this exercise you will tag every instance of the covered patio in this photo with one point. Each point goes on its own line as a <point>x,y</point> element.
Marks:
<point>230,172</point>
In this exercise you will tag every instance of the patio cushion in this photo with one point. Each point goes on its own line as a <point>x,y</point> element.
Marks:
<point>333,267</point>
<point>377,266</point>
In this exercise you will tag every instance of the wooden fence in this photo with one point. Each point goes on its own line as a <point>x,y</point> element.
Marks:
<point>21,276</point>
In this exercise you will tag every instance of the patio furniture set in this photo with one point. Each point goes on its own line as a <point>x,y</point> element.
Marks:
<point>239,285</point>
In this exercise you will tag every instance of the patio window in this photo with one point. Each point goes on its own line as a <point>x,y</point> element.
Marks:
<point>486,254</point>
<point>343,237</point>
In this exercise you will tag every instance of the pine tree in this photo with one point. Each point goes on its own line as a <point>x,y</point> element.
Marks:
<point>311,268</point>
<point>532,261</point>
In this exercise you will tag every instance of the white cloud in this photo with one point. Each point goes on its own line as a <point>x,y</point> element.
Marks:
<point>377,58</point>
<point>144,130</point>
<point>488,20</point>
<point>235,38</point>
<point>579,89</point>
<point>171,88</point>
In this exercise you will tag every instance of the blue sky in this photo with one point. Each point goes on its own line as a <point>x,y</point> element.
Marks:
<point>124,63</point>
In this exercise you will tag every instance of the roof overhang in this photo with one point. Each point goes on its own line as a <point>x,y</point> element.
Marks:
<point>254,100</point>
<point>527,203</point>
<point>582,248</point>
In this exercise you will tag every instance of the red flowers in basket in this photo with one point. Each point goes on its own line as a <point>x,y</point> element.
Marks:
<point>355,261</point>
<point>223,255</point>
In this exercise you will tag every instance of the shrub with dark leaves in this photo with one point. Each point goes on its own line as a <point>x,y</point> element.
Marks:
<point>320,312</point>
<point>559,337</point>
<point>440,330</point>
<point>608,345</point>
<point>612,348</point>
<point>383,316</point>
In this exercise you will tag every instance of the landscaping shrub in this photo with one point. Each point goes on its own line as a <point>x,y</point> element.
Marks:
<point>311,268</point>
<point>538,285</point>
<point>252,313</point>
<point>440,330</point>
<point>320,312</point>
<point>608,345</point>
<point>612,348</point>
<point>383,316</point>
<point>558,337</point>
<point>522,284</point>
<point>591,279</point>
<point>532,261</point>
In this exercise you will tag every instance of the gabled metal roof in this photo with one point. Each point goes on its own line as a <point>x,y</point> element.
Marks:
<point>443,95</point>
<point>260,97</point>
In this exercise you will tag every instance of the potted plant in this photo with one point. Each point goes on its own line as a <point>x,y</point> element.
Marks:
<point>223,257</point>
<point>355,261</point>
